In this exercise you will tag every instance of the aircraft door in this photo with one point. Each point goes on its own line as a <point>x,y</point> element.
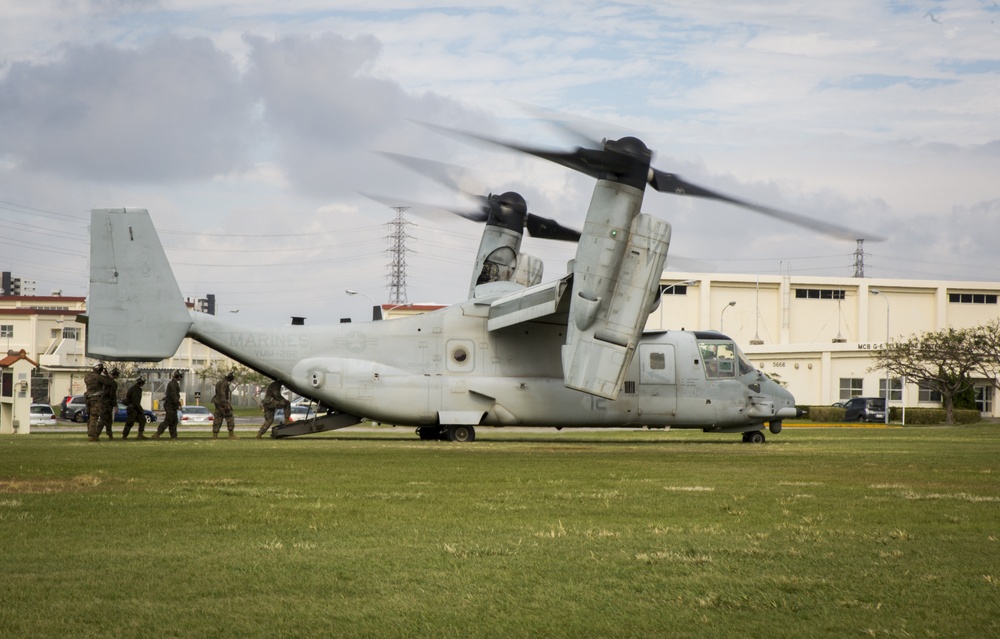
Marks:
<point>657,381</point>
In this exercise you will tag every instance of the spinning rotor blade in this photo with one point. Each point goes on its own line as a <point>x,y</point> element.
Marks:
<point>450,176</point>
<point>463,181</point>
<point>548,229</point>
<point>480,215</point>
<point>591,162</point>
<point>620,158</point>
<point>672,183</point>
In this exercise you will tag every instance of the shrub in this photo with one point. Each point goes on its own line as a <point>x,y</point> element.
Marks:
<point>825,413</point>
<point>915,416</point>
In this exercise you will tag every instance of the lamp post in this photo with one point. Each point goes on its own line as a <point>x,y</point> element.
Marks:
<point>722,316</point>
<point>670,287</point>
<point>888,390</point>
<point>351,291</point>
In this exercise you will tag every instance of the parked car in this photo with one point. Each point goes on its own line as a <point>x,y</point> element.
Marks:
<point>194,415</point>
<point>299,412</point>
<point>839,404</point>
<point>72,408</point>
<point>42,415</point>
<point>121,414</point>
<point>865,409</point>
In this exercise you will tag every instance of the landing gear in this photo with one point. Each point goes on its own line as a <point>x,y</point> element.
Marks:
<point>458,433</point>
<point>453,433</point>
<point>754,437</point>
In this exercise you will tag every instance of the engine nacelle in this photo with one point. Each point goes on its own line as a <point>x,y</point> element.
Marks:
<point>615,291</point>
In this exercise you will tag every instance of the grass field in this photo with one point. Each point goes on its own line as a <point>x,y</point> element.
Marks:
<point>818,533</point>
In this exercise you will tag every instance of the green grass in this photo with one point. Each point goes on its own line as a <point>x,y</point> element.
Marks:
<point>818,533</point>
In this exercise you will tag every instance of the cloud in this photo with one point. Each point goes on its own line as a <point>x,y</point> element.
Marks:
<point>170,109</point>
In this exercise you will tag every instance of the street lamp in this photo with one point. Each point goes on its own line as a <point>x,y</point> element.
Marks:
<point>375,316</point>
<point>875,291</point>
<point>722,317</point>
<point>670,287</point>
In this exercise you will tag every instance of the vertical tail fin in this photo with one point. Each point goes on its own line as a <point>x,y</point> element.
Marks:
<point>135,308</point>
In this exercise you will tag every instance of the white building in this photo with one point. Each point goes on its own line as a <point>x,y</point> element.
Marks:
<point>46,328</point>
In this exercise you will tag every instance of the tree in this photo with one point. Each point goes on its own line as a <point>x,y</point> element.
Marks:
<point>987,345</point>
<point>243,376</point>
<point>944,361</point>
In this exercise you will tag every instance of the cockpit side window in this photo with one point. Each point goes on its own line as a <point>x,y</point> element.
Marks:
<point>719,358</point>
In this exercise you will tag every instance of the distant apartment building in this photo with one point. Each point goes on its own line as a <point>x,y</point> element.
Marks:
<point>16,286</point>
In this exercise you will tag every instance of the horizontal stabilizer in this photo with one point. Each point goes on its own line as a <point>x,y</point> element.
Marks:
<point>135,308</point>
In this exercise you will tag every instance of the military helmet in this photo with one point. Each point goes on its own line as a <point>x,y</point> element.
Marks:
<point>140,381</point>
<point>114,372</point>
<point>178,374</point>
<point>98,367</point>
<point>230,376</point>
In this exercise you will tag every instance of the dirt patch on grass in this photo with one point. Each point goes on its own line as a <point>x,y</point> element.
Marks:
<point>37,485</point>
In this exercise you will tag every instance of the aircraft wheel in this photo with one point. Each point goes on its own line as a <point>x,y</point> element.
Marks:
<point>426,433</point>
<point>756,437</point>
<point>460,433</point>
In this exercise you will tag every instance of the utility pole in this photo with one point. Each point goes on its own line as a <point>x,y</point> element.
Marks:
<point>859,259</point>
<point>397,253</point>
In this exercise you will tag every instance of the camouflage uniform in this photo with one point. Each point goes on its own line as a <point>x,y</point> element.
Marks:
<point>109,403</point>
<point>133,410</point>
<point>223,407</point>
<point>171,404</point>
<point>94,380</point>
<point>273,400</point>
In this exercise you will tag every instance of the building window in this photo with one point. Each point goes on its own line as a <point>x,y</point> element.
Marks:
<point>895,389</point>
<point>984,399</point>
<point>850,387</point>
<point>971,298</point>
<point>71,333</point>
<point>6,330</point>
<point>819,294</point>
<point>673,289</point>
<point>928,395</point>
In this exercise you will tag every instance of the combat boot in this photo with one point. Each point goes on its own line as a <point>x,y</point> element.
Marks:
<point>215,435</point>
<point>232,435</point>
<point>94,439</point>
<point>141,436</point>
<point>156,435</point>
<point>259,435</point>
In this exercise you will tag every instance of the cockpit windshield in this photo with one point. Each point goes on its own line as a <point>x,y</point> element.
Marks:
<point>722,359</point>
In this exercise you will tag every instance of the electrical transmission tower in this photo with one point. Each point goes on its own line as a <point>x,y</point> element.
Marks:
<point>397,252</point>
<point>859,259</point>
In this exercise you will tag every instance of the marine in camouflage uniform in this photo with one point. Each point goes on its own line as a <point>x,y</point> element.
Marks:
<point>223,407</point>
<point>109,403</point>
<point>273,400</point>
<point>133,409</point>
<point>94,381</point>
<point>171,404</point>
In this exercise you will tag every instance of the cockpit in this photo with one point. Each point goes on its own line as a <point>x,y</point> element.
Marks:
<point>722,359</point>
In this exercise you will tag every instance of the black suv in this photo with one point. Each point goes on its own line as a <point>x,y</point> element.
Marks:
<point>865,409</point>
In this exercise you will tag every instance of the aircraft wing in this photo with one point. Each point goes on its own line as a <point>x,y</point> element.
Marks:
<point>530,304</point>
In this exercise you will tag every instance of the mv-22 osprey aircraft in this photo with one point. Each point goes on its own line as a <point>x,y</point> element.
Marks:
<point>567,353</point>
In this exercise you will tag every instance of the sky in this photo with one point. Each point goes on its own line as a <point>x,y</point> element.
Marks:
<point>252,132</point>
